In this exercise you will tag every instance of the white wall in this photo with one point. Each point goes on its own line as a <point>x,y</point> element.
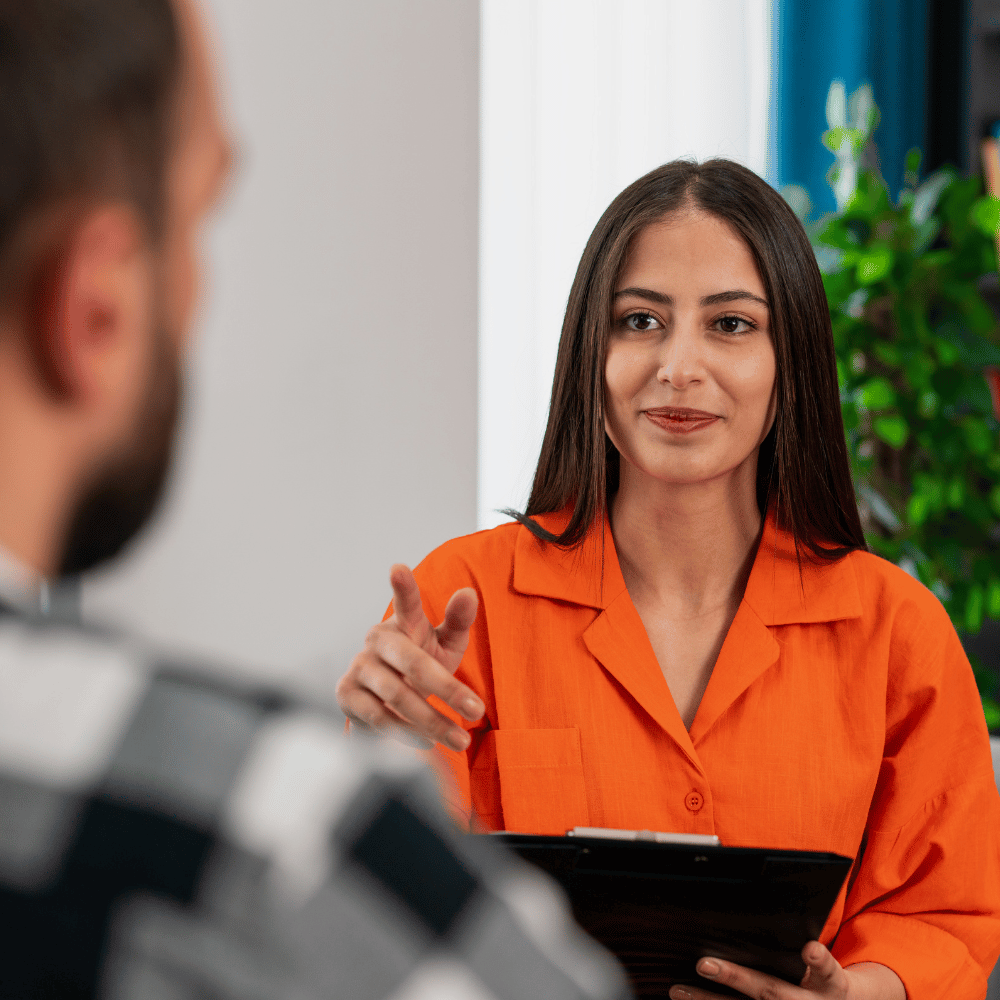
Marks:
<point>332,421</point>
<point>580,98</point>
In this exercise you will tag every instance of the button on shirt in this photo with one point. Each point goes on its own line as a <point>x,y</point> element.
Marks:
<point>842,715</point>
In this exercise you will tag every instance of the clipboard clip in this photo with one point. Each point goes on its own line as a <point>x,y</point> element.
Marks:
<point>649,836</point>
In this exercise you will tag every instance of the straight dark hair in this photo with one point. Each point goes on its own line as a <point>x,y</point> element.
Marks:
<point>87,92</point>
<point>803,473</point>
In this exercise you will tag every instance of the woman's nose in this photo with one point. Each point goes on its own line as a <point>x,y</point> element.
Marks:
<point>681,362</point>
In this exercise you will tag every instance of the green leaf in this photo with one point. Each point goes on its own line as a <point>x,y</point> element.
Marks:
<point>835,140</point>
<point>873,200</point>
<point>974,609</point>
<point>850,414</point>
<point>838,234</point>
<point>918,509</point>
<point>923,236</point>
<point>946,351</point>
<point>927,404</point>
<point>993,598</point>
<point>893,430</point>
<point>874,265</point>
<point>955,494</point>
<point>836,105</point>
<point>862,112</point>
<point>888,354</point>
<point>912,162</point>
<point>931,488</point>
<point>985,214</point>
<point>995,499</point>
<point>843,180</point>
<point>876,394</point>
<point>926,198</point>
<point>919,368</point>
<point>978,435</point>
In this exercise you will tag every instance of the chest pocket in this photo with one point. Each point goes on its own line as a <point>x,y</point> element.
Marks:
<point>541,778</point>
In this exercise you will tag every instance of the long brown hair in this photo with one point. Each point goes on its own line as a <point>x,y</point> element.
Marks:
<point>802,467</point>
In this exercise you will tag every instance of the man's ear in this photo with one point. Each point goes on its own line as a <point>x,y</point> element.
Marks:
<point>93,304</point>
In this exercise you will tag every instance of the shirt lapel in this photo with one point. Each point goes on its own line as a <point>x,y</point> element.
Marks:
<point>749,649</point>
<point>616,638</point>
<point>781,590</point>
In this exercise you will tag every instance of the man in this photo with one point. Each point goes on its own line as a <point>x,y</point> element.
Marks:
<point>162,833</point>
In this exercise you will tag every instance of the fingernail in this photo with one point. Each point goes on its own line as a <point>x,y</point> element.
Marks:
<point>708,967</point>
<point>459,741</point>
<point>815,953</point>
<point>679,993</point>
<point>472,708</point>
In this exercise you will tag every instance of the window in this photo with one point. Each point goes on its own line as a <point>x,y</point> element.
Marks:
<point>579,98</point>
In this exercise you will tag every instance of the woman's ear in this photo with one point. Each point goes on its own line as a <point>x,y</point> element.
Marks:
<point>93,308</point>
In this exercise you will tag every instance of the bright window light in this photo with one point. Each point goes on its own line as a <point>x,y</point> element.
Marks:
<point>579,98</point>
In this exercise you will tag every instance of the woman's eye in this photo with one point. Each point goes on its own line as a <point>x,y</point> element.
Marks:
<point>641,322</point>
<point>734,324</point>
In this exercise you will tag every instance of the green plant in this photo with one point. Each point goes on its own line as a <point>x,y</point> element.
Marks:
<point>913,339</point>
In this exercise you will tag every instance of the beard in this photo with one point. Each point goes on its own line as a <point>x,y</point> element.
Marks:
<point>121,499</point>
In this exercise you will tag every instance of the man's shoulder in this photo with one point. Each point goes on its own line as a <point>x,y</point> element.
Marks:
<point>97,728</point>
<point>218,832</point>
<point>84,707</point>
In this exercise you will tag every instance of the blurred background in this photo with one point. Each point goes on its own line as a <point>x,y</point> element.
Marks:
<point>417,182</point>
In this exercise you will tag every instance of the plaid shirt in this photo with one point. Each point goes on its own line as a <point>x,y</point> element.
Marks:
<point>166,835</point>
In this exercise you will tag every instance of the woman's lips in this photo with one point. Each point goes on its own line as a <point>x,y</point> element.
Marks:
<point>681,420</point>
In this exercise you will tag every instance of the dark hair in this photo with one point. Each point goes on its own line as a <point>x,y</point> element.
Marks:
<point>802,470</point>
<point>86,98</point>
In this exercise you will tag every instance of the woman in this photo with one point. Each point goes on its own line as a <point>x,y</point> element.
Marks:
<point>685,631</point>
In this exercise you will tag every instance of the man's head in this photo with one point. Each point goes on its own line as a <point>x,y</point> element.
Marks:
<point>113,154</point>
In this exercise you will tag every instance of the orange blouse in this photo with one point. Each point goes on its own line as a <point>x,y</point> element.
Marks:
<point>842,715</point>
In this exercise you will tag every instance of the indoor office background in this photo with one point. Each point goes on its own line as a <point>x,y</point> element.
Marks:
<point>416,183</point>
<point>373,364</point>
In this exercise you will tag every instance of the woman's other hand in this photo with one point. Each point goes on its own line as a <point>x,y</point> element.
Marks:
<point>405,660</point>
<point>825,977</point>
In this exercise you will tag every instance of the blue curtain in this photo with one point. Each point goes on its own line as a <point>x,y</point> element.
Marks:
<point>881,42</point>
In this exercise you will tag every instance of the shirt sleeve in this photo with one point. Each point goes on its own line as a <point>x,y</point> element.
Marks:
<point>373,892</point>
<point>924,897</point>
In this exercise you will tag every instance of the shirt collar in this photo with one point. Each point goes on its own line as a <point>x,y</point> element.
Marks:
<point>826,590</point>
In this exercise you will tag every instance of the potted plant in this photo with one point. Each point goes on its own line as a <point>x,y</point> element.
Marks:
<point>916,343</point>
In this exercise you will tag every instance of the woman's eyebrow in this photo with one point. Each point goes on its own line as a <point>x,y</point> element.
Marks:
<point>734,295</point>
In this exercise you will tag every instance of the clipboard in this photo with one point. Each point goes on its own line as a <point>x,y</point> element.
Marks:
<point>659,905</point>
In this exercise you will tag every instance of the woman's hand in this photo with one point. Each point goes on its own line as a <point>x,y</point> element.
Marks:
<point>405,660</point>
<point>825,977</point>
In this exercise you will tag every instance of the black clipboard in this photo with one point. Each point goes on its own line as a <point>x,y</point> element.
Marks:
<point>660,906</point>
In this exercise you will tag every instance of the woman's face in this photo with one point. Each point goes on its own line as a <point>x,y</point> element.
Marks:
<point>690,367</point>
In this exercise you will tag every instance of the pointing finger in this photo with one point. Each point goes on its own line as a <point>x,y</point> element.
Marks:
<point>453,638</point>
<point>406,605</point>
<point>453,632</point>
